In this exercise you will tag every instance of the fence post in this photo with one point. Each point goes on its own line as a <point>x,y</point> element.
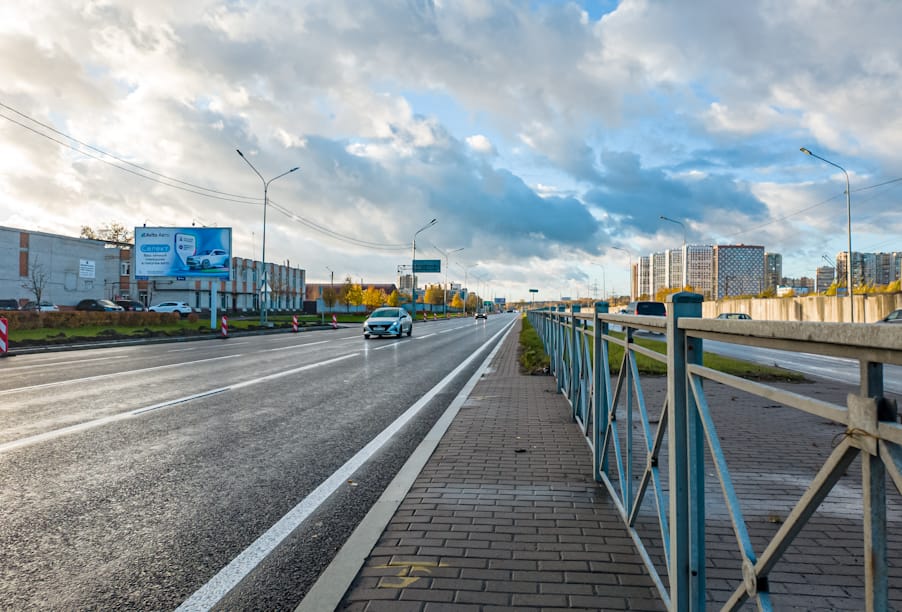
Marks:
<point>599,384</point>
<point>573,351</point>
<point>685,463</point>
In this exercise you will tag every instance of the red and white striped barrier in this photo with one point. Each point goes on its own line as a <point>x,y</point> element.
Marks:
<point>334,322</point>
<point>425,318</point>
<point>4,337</point>
<point>294,323</point>
<point>224,326</point>
<point>434,317</point>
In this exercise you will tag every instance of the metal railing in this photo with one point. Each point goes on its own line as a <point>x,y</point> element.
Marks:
<point>666,464</point>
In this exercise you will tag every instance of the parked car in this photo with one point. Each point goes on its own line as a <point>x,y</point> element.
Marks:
<point>44,306</point>
<point>180,307</point>
<point>480,315</point>
<point>655,309</point>
<point>388,322</point>
<point>734,315</point>
<point>893,317</point>
<point>9,304</point>
<point>132,305</point>
<point>98,306</point>
<point>211,258</point>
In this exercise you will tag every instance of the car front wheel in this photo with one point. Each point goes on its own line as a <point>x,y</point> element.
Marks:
<point>366,336</point>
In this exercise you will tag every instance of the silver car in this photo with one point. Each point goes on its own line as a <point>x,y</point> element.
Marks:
<point>388,321</point>
<point>893,317</point>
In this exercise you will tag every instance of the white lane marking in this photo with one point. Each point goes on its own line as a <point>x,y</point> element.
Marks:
<point>58,433</point>
<point>60,383</point>
<point>228,577</point>
<point>182,350</point>
<point>396,343</point>
<point>309,366</point>
<point>351,338</point>
<point>424,337</point>
<point>296,346</point>
<point>57,364</point>
<point>445,331</point>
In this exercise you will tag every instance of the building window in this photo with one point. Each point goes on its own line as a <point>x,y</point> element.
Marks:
<point>125,268</point>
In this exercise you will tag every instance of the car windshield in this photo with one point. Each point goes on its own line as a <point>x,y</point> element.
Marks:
<point>385,313</point>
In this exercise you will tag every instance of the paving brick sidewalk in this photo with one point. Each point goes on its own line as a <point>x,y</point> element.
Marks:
<point>506,515</point>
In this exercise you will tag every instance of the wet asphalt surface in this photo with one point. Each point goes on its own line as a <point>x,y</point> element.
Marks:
<point>132,475</point>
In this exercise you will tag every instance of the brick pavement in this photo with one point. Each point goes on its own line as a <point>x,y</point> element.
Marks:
<point>506,515</point>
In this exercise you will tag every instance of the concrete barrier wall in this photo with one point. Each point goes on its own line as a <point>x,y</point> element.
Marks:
<point>818,308</point>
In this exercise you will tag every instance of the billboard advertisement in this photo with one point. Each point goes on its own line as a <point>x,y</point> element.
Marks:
<point>197,252</point>
<point>427,265</point>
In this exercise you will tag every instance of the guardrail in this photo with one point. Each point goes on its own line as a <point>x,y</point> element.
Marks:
<point>666,464</point>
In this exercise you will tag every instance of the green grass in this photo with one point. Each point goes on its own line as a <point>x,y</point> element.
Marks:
<point>533,357</point>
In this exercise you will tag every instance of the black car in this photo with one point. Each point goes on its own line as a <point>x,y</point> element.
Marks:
<point>98,306</point>
<point>655,309</point>
<point>9,304</point>
<point>132,305</point>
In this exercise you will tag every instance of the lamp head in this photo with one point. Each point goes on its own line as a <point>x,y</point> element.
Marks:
<point>805,151</point>
<point>239,152</point>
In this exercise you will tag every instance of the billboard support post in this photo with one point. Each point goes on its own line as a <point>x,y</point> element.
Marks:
<point>214,300</point>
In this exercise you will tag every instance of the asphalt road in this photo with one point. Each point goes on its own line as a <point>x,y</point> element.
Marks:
<point>821,366</point>
<point>217,474</point>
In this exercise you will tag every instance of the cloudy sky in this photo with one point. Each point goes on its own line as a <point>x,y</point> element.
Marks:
<point>541,135</point>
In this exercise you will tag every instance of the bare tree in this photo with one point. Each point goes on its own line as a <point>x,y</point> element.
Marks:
<point>37,280</point>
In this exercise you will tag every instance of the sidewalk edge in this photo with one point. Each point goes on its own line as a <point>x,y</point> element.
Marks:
<point>328,591</point>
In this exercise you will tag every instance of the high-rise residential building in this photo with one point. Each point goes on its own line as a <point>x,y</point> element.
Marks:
<point>773,270</point>
<point>857,268</point>
<point>700,269</point>
<point>644,277</point>
<point>675,269</point>
<point>887,268</point>
<point>659,274</point>
<point>824,276</point>
<point>896,266</point>
<point>738,270</point>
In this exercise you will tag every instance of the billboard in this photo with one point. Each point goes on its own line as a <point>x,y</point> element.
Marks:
<point>197,252</point>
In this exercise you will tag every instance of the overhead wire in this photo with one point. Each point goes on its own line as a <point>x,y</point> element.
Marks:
<point>105,157</point>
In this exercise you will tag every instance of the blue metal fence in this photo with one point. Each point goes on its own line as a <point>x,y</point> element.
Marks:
<point>662,462</point>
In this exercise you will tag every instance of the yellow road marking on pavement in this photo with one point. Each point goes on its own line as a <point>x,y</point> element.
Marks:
<point>402,579</point>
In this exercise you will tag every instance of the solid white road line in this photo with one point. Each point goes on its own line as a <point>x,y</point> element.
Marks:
<point>228,577</point>
<point>332,584</point>
<point>293,347</point>
<point>58,433</point>
<point>60,383</point>
<point>58,364</point>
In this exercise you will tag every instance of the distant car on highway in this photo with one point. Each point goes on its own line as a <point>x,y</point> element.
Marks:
<point>388,321</point>
<point>132,305</point>
<point>180,307</point>
<point>655,309</point>
<point>44,306</point>
<point>893,317</point>
<point>734,315</point>
<point>480,315</point>
<point>9,304</point>
<point>211,258</point>
<point>98,306</point>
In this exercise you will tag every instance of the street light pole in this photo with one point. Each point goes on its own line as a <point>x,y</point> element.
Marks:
<point>684,266</point>
<point>413,269</point>
<point>630,255</point>
<point>445,288</point>
<point>264,287</point>
<point>849,230</point>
